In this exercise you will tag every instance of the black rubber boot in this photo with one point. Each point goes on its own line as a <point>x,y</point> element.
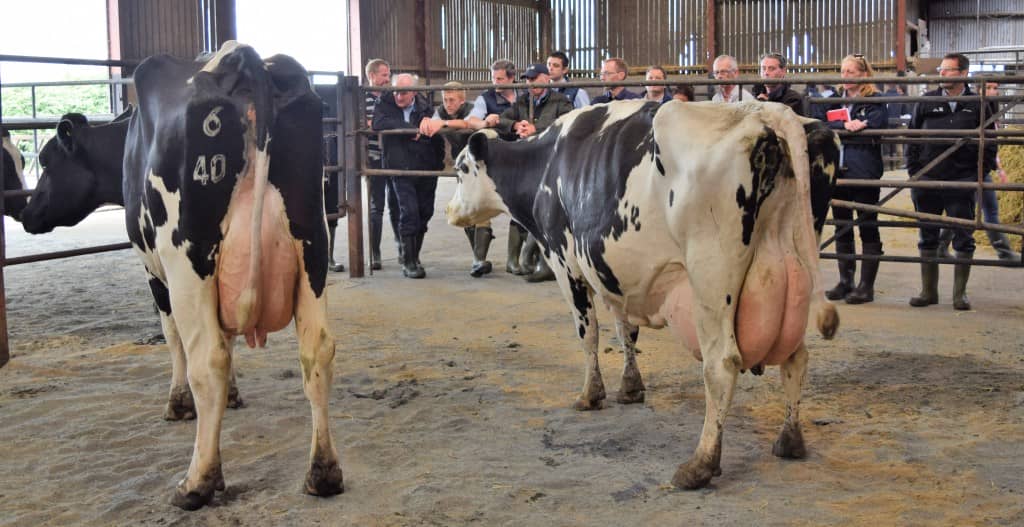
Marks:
<point>847,269</point>
<point>376,228</point>
<point>419,246</point>
<point>482,242</point>
<point>929,281</point>
<point>409,267</point>
<point>961,272</point>
<point>1002,246</point>
<point>516,237</point>
<point>336,267</point>
<point>865,290</point>
<point>543,273</point>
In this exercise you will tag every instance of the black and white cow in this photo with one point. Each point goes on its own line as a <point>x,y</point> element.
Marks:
<point>14,175</point>
<point>83,169</point>
<point>222,188</point>
<point>697,216</point>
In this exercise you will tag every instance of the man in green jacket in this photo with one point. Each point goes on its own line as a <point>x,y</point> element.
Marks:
<point>520,121</point>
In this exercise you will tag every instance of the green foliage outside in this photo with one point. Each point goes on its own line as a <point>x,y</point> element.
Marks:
<point>51,102</point>
<point>54,101</point>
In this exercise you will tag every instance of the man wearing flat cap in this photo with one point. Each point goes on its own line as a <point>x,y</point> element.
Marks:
<point>520,120</point>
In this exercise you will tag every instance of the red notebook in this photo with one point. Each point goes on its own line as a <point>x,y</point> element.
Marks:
<point>842,114</point>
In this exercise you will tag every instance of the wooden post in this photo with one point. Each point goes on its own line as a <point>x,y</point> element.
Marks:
<point>711,37</point>
<point>901,36</point>
<point>350,111</point>
<point>420,21</point>
<point>544,16</point>
<point>5,348</point>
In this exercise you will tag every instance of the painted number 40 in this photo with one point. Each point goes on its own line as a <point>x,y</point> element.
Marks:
<point>212,171</point>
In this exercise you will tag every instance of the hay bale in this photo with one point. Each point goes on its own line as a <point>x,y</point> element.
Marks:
<point>1011,204</point>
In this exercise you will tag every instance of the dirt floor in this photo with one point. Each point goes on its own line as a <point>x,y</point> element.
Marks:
<point>453,406</point>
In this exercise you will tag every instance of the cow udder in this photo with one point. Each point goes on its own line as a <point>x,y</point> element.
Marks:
<point>279,267</point>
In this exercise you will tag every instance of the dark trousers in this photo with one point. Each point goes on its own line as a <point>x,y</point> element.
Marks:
<point>956,204</point>
<point>415,203</point>
<point>378,186</point>
<point>868,228</point>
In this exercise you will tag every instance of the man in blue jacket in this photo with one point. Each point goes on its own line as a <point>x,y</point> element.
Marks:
<point>406,110</point>
<point>962,165</point>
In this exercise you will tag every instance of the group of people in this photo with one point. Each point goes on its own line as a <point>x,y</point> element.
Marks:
<point>518,115</point>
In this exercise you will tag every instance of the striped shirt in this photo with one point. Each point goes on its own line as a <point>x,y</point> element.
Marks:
<point>373,144</point>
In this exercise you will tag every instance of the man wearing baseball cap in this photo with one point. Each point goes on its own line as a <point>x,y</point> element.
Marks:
<point>520,120</point>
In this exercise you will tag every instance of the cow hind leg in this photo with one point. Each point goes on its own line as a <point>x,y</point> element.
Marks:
<point>632,389</point>
<point>721,365</point>
<point>209,367</point>
<point>316,355</point>
<point>790,443</point>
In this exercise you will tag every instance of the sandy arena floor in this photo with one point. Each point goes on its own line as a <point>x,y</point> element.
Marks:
<point>453,406</point>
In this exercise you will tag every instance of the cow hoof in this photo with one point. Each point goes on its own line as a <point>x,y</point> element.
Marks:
<point>234,400</point>
<point>693,475</point>
<point>199,497</point>
<point>586,404</point>
<point>631,397</point>
<point>324,479</point>
<point>180,406</point>
<point>828,321</point>
<point>790,444</point>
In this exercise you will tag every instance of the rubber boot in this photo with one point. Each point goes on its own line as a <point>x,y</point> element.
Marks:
<point>416,254</point>
<point>409,268</point>
<point>929,281</point>
<point>543,273</point>
<point>945,238</point>
<point>482,242</point>
<point>1002,246</point>
<point>336,267</point>
<point>847,269</point>
<point>961,272</point>
<point>376,228</point>
<point>865,290</point>
<point>516,237</point>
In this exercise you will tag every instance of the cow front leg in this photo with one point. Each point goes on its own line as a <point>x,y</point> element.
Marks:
<point>593,394</point>
<point>721,365</point>
<point>209,366</point>
<point>632,388</point>
<point>180,405</point>
<point>234,398</point>
<point>790,443</point>
<point>316,355</point>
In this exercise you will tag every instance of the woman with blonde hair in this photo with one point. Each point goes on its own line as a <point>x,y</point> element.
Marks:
<point>862,160</point>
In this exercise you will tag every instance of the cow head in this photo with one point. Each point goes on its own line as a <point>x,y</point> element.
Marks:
<point>14,178</point>
<point>75,180</point>
<point>476,198</point>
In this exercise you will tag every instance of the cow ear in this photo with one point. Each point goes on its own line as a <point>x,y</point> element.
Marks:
<point>65,135</point>
<point>478,145</point>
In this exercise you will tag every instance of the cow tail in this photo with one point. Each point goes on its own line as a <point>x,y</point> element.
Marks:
<point>249,299</point>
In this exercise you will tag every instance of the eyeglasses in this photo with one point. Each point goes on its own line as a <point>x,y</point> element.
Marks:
<point>723,72</point>
<point>942,70</point>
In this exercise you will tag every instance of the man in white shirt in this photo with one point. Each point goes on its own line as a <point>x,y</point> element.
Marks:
<point>725,68</point>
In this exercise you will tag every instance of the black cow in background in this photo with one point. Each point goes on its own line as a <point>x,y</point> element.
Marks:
<point>329,95</point>
<point>14,177</point>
